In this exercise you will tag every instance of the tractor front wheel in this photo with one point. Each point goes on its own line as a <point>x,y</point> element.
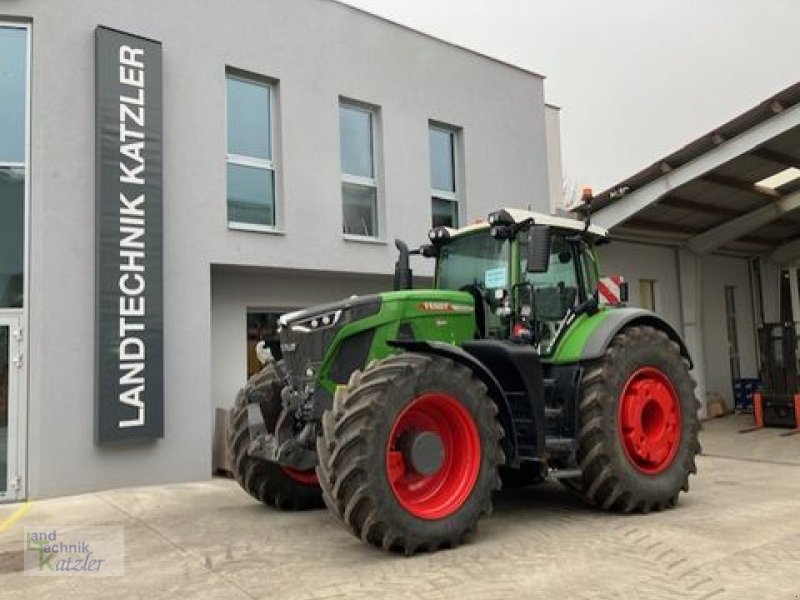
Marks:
<point>638,424</point>
<point>267,482</point>
<point>409,453</point>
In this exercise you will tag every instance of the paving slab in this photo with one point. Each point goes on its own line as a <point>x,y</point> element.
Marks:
<point>736,535</point>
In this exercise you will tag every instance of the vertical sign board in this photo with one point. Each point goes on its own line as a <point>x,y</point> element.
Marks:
<point>129,359</point>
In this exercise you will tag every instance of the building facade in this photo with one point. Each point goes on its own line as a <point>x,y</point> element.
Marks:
<point>297,140</point>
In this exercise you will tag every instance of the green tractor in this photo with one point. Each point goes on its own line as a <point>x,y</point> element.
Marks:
<point>404,411</point>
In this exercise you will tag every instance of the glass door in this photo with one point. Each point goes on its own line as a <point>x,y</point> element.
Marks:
<point>11,445</point>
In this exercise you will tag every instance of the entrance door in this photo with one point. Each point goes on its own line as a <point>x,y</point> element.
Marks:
<point>12,450</point>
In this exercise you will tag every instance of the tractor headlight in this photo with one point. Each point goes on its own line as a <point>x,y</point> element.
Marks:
<point>439,235</point>
<point>322,321</point>
<point>328,317</point>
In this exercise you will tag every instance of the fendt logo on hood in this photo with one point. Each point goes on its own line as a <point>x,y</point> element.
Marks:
<point>444,307</point>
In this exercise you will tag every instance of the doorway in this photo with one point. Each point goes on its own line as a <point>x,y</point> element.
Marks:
<point>12,447</point>
<point>262,326</point>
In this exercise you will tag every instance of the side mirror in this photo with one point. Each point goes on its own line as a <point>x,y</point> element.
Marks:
<point>539,239</point>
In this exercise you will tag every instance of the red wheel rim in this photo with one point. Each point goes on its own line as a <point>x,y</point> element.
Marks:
<point>650,421</point>
<point>304,477</point>
<point>442,493</point>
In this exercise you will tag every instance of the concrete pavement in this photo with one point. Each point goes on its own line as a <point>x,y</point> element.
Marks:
<point>736,535</point>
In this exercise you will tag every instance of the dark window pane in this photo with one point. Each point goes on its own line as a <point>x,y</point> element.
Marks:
<point>355,142</point>
<point>556,290</point>
<point>445,213</point>
<point>589,272</point>
<point>249,119</point>
<point>251,195</point>
<point>12,230</point>
<point>442,160</point>
<point>359,204</point>
<point>13,57</point>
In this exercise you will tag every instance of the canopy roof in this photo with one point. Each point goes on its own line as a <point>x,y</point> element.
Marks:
<point>718,193</point>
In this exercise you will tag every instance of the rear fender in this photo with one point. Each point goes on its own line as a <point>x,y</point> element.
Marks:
<point>620,318</point>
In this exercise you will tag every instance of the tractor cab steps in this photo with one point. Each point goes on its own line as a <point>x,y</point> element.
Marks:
<point>559,420</point>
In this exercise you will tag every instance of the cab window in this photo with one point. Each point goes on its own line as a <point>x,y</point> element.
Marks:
<point>555,291</point>
<point>588,270</point>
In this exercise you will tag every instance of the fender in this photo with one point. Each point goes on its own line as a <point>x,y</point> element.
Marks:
<point>620,318</point>
<point>461,356</point>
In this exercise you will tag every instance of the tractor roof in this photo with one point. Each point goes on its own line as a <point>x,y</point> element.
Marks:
<point>518,216</point>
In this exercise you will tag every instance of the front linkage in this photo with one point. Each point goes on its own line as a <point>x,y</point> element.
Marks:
<point>291,442</point>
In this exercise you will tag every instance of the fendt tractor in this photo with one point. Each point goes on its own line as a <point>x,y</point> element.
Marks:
<point>404,411</point>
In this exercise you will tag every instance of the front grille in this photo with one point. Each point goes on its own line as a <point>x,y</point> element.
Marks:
<point>306,335</point>
<point>303,350</point>
<point>352,355</point>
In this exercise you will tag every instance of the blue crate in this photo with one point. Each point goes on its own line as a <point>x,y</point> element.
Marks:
<point>743,390</point>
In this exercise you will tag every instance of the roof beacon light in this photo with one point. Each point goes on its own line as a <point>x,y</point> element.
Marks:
<point>586,210</point>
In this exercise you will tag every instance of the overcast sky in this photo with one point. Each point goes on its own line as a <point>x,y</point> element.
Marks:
<point>636,79</point>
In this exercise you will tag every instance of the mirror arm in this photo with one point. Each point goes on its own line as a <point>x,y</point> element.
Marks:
<point>589,306</point>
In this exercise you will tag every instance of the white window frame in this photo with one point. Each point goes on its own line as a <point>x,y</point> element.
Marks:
<point>373,182</point>
<point>253,162</point>
<point>447,195</point>
<point>19,318</point>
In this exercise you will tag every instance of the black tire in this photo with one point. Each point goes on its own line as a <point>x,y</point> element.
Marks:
<point>353,452</point>
<point>265,481</point>
<point>610,479</point>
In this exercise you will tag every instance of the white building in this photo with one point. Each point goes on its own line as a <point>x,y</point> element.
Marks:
<point>295,139</point>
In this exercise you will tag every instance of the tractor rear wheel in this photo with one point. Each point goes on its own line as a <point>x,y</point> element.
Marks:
<point>267,482</point>
<point>409,453</point>
<point>638,424</point>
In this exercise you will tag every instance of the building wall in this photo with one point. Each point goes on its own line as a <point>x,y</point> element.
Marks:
<point>635,261</point>
<point>771,283</point>
<point>718,272</point>
<point>318,51</point>
<point>554,164</point>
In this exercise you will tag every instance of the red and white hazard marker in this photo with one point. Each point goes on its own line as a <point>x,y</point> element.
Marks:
<point>608,289</point>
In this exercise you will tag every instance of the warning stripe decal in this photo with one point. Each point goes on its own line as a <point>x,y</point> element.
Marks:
<point>609,289</point>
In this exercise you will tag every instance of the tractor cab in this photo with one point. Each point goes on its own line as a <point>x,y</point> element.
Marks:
<point>528,273</point>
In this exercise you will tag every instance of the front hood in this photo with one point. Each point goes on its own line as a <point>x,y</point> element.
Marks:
<point>307,334</point>
<point>360,305</point>
<point>433,300</point>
